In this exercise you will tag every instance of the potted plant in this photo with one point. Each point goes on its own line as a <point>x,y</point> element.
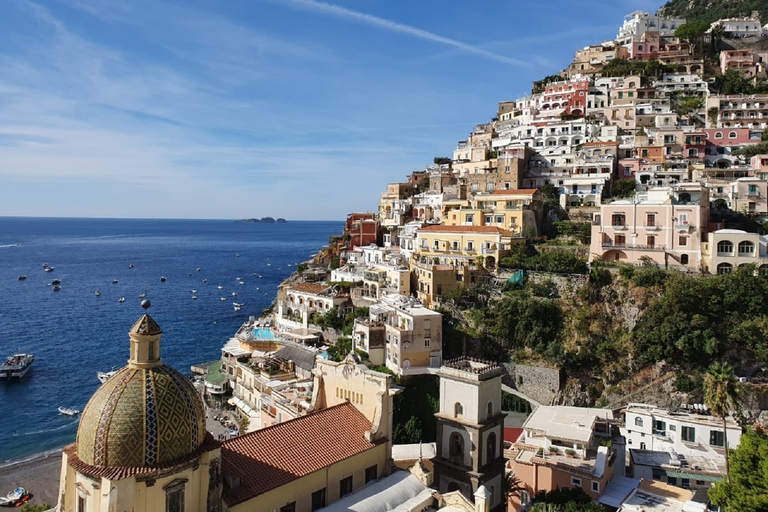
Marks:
<point>570,453</point>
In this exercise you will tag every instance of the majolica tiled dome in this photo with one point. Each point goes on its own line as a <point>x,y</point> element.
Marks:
<point>146,414</point>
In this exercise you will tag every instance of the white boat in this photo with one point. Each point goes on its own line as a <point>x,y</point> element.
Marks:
<point>234,294</point>
<point>98,293</point>
<point>115,281</point>
<point>15,498</point>
<point>121,299</point>
<point>104,376</point>
<point>194,297</point>
<point>223,299</point>
<point>194,291</point>
<point>220,287</point>
<point>49,269</point>
<point>69,411</point>
<point>16,366</point>
<point>162,279</point>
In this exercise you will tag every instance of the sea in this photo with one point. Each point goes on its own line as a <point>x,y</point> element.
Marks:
<point>75,333</point>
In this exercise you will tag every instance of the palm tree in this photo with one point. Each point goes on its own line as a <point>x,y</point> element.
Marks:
<point>721,396</point>
<point>512,486</point>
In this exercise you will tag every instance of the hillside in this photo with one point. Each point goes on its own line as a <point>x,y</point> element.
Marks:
<point>713,10</point>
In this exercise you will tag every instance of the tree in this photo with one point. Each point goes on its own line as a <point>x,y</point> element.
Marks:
<point>512,486</point>
<point>692,32</point>
<point>624,188</point>
<point>550,192</point>
<point>747,488</point>
<point>721,397</point>
<point>442,160</point>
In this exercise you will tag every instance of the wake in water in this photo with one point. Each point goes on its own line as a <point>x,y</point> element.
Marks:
<point>3,246</point>
<point>45,431</point>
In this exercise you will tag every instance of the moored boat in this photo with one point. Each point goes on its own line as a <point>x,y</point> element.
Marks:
<point>97,292</point>
<point>22,277</point>
<point>69,411</point>
<point>104,376</point>
<point>16,366</point>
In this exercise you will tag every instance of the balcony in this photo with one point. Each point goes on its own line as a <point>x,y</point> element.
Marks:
<point>634,247</point>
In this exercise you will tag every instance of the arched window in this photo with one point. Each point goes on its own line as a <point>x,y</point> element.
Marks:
<point>731,135</point>
<point>725,248</point>
<point>718,135</point>
<point>724,268</point>
<point>638,421</point>
<point>746,248</point>
<point>763,270</point>
<point>456,447</point>
<point>490,409</point>
<point>406,364</point>
<point>458,410</point>
<point>490,447</point>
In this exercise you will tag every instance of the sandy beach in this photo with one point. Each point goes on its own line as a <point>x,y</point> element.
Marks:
<point>39,475</point>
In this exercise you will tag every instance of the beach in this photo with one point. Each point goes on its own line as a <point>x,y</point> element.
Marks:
<point>39,475</point>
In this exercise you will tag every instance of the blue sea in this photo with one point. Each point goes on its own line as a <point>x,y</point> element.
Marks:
<point>74,334</point>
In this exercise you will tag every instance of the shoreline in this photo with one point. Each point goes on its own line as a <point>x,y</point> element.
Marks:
<point>39,474</point>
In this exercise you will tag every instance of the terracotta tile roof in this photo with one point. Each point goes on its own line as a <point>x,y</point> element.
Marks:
<point>118,472</point>
<point>276,455</point>
<point>439,228</point>
<point>608,143</point>
<point>308,287</point>
<point>518,191</point>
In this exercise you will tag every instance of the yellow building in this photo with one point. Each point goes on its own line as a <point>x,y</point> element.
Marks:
<point>461,245</point>
<point>518,211</point>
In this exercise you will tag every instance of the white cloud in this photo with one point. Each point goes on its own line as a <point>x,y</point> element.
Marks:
<point>368,19</point>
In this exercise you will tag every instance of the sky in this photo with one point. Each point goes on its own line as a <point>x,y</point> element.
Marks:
<point>301,109</point>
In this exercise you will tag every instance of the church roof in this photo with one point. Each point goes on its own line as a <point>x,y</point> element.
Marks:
<point>141,417</point>
<point>274,456</point>
<point>146,325</point>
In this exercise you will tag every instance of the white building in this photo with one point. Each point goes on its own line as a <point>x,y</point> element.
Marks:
<point>686,432</point>
<point>739,28</point>
<point>638,23</point>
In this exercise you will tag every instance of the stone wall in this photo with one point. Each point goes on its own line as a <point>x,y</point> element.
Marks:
<point>539,382</point>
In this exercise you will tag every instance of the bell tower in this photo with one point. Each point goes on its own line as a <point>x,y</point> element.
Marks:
<point>470,431</point>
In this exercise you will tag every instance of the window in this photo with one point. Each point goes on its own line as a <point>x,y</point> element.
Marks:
<point>682,241</point>
<point>650,241</point>
<point>595,486</point>
<point>650,220</point>
<point>688,434</point>
<point>371,473</point>
<point>345,486</point>
<point>470,245</point>
<point>724,268</point>
<point>456,447</point>
<point>490,448</point>
<point>174,495</point>
<point>81,504</point>
<point>716,438</point>
<point>318,499</point>
<point>724,248</point>
<point>660,428</point>
<point>731,135</point>
<point>617,219</point>
<point>718,135</point>
<point>575,482</point>
<point>746,248</point>
<point>458,410</point>
<point>490,409</point>
<point>638,421</point>
<point>289,507</point>
<point>426,342</point>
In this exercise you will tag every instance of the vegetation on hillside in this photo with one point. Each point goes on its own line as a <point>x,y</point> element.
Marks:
<point>616,324</point>
<point>713,10</point>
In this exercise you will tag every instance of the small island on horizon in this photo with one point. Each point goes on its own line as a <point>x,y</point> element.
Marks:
<point>266,220</point>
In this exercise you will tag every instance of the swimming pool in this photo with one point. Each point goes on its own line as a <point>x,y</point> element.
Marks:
<point>263,334</point>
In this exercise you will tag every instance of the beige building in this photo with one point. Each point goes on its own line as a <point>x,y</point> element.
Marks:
<point>463,244</point>
<point>303,300</point>
<point>728,249</point>
<point>664,226</point>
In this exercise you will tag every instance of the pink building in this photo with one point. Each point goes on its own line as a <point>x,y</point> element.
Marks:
<point>571,96</point>
<point>664,224</point>
<point>744,61</point>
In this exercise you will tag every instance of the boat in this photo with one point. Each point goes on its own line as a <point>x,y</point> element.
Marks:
<point>142,295</point>
<point>220,287</point>
<point>205,280</point>
<point>97,292</point>
<point>194,291</point>
<point>234,294</point>
<point>15,498</point>
<point>16,366</point>
<point>22,277</point>
<point>69,411</point>
<point>56,281</point>
<point>45,265</point>
<point>199,269</point>
<point>162,279</point>
<point>49,269</point>
<point>104,376</point>
<point>223,299</point>
<point>237,308</point>
<point>194,297</point>
<point>121,300</point>
<point>130,266</point>
<point>114,281</point>
<point>57,288</point>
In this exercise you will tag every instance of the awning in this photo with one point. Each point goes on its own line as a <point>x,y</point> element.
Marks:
<point>691,476</point>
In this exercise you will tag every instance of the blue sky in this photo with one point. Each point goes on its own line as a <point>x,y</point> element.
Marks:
<point>247,108</point>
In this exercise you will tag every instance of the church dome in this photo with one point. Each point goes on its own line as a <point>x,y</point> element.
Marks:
<point>146,414</point>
